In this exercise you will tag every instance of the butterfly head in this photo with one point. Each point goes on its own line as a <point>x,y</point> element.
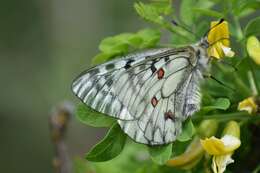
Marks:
<point>203,43</point>
<point>202,58</point>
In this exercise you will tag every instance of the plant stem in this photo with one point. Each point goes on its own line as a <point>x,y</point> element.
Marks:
<point>254,78</point>
<point>169,27</point>
<point>58,123</point>
<point>228,116</point>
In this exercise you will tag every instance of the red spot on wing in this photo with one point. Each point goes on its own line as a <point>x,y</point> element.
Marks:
<point>169,115</point>
<point>154,101</point>
<point>160,73</point>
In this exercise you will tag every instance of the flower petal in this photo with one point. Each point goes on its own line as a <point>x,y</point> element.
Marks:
<point>218,39</point>
<point>248,105</point>
<point>213,146</point>
<point>219,163</point>
<point>220,33</point>
<point>225,145</point>
<point>231,142</point>
<point>227,51</point>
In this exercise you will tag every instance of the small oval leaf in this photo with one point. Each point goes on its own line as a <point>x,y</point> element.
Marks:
<point>160,154</point>
<point>188,131</point>
<point>110,147</point>
<point>252,27</point>
<point>220,103</point>
<point>93,118</point>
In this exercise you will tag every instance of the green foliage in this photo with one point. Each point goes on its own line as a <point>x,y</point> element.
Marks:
<point>219,101</point>
<point>208,12</point>
<point>186,14</point>
<point>153,12</point>
<point>122,43</point>
<point>93,118</point>
<point>252,27</point>
<point>160,154</point>
<point>188,131</point>
<point>110,147</point>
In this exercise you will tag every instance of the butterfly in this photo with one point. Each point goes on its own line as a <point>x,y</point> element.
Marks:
<point>150,93</point>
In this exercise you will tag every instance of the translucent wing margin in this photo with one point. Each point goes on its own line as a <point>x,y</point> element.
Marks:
<point>151,93</point>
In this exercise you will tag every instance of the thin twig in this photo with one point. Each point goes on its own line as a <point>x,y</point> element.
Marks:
<point>228,116</point>
<point>58,123</point>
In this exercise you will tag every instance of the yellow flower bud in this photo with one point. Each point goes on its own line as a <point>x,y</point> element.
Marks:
<point>190,157</point>
<point>208,128</point>
<point>232,128</point>
<point>253,49</point>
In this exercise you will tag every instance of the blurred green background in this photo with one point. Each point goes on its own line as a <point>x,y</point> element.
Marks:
<point>44,44</point>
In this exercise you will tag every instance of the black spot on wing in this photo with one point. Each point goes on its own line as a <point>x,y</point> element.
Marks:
<point>110,66</point>
<point>128,64</point>
<point>166,59</point>
<point>147,57</point>
<point>153,68</point>
<point>93,71</point>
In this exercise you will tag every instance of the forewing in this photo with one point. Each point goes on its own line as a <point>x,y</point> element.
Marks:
<point>104,87</point>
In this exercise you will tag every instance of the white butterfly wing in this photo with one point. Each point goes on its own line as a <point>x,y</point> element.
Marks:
<point>151,93</point>
<point>103,88</point>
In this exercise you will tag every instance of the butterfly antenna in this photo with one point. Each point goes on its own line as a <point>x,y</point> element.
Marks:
<point>174,22</point>
<point>219,82</point>
<point>220,21</point>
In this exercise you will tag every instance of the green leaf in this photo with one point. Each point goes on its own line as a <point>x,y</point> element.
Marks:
<point>103,57</point>
<point>220,103</point>
<point>128,161</point>
<point>205,4</point>
<point>116,43</point>
<point>188,131</point>
<point>208,12</point>
<point>252,27</point>
<point>110,147</point>
<point>93,118</point>
<point>163,7</point>
<point>148,13</point>
<point>153,12</point>
<point>150,37</point>
<point>160,154</point>
<point>186,14</point>
<point>245,8</point>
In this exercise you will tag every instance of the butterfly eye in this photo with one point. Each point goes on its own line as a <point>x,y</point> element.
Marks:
<point>204,43</point>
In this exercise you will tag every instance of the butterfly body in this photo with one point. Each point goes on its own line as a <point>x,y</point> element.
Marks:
<point>150,93</point>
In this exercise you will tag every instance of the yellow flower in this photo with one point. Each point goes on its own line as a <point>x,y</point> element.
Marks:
<point>194,152</point>
<point>248,105</point>
<point>225,145</point>
<point>218,39</point>
<point>190,157</point>
<point>253,49</point>
<point>223,148</point>
<point>219,163</point>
